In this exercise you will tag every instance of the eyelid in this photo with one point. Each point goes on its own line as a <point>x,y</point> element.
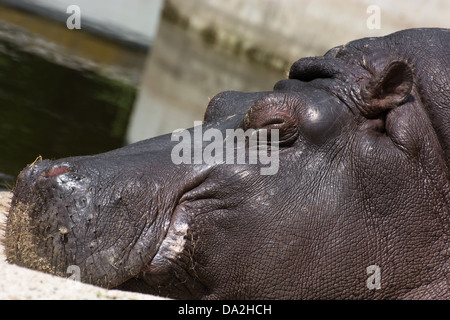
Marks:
<point>275,111</point>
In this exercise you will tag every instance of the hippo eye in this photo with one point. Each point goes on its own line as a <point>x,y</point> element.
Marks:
<point>273,113</point>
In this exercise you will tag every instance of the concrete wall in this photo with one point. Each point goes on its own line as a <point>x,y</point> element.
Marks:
<point>114,39</point>
<point>136,20</point>
<point>293,28</point>
<point>181,75</point>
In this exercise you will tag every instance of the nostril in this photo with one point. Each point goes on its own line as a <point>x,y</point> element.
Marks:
<point>55,171</point>
<point>32,171</point>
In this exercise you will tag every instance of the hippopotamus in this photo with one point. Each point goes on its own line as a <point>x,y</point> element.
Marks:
<point>355,204</point>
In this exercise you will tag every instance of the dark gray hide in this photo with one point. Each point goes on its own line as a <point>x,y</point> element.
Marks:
<point>358,207</point>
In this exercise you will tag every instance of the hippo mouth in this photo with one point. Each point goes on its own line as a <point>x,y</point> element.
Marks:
<point>59,220</point>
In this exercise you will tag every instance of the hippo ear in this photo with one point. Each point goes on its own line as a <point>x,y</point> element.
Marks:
<point>387,89</point>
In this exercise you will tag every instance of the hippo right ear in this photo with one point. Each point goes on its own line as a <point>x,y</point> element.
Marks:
<point>388,89</point>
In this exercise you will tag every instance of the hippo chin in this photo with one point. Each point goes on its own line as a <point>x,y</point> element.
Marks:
<point>357,205</point>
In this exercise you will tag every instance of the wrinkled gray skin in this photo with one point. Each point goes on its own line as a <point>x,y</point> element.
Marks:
<point>363,180</point>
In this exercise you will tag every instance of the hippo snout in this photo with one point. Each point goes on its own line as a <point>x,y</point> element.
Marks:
<point>51,200</point>
<point>69,213</point>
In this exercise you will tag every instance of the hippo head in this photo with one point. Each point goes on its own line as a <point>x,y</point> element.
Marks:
<point>345,193</point>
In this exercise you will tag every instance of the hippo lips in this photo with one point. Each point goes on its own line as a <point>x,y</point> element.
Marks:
<point>52,226</point>
<point>25,243</point>
<point>28,232</point>
<point>53,230</point>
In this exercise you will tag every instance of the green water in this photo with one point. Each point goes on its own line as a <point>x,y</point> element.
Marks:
<point>49,110</point>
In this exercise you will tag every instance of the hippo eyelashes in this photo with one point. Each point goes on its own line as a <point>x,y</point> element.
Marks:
<point>386,90</point>
<point>274,112</point>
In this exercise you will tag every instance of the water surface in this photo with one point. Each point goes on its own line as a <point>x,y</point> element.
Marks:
<point>53,111</point>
